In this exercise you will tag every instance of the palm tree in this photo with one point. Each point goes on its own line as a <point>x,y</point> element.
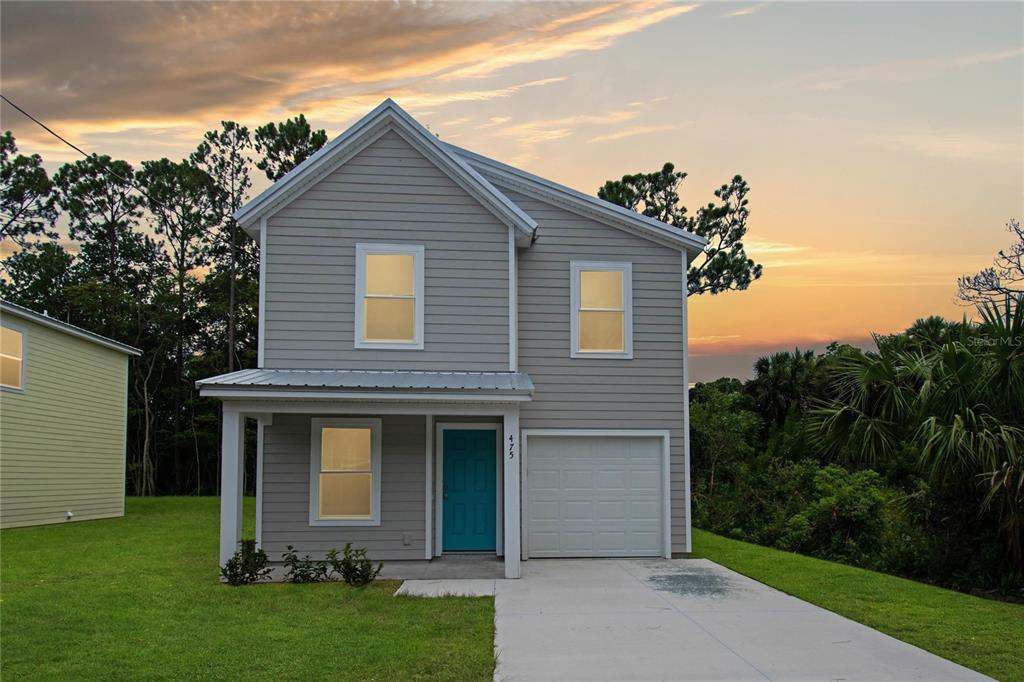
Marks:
<point>957,394</point>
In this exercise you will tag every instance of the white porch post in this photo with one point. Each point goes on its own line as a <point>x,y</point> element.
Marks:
<point>232,472</point>
<point>513,467</point>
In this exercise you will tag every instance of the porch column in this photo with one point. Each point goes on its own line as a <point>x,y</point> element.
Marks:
<point>231,474</point>
<point>513,467</point>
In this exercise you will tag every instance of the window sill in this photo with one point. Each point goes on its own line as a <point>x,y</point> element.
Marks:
<point>344,522</point>
<point>602,356</point>
<point>370,345</point>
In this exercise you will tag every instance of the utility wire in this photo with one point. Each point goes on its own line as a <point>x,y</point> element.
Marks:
<point>106,166</point>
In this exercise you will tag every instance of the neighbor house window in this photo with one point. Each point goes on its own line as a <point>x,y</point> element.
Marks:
<point>602,309</point>
<point>389,296</point>
<point>345,475</point>
<point>12,358</point>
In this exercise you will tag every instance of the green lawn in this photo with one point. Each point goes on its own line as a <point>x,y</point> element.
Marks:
<point>138,598</point>
<point>982,634</point>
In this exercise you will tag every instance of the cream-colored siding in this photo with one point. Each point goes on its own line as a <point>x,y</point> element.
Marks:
<point>62,439</point>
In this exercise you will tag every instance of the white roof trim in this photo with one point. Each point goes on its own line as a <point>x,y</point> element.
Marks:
<point>9,308</point>
<point>584,204</point>
<point>386,113</point>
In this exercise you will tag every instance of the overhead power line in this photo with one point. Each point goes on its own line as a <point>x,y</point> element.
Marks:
<point>106,166</point>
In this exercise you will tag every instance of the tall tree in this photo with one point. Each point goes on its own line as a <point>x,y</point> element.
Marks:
<point>1001,282</point>
<point>27,208</point>
<point>222,154</point>
<point>285,145</point>
<point>99,197</point>
<point>39,279</point>
<point>184,201</point>
<point>724,265</point>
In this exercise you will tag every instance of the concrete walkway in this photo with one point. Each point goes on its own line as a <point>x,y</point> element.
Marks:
<point>684,620</point>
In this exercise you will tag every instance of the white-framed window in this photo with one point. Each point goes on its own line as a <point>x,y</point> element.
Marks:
<point>12,358</point>
<point>389,296</point>
<point>601,314</point>
<point>344,477</point>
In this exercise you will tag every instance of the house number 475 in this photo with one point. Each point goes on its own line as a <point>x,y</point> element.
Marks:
<point>511,447</point>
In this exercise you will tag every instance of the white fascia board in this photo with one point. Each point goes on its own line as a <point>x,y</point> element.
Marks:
<point>386,113</point>
<point>587,205</point>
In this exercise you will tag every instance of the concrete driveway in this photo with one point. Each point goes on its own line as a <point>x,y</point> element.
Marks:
<point>684,620</point>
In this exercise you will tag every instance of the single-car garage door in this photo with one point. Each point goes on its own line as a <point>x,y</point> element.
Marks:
<point>594,495</point>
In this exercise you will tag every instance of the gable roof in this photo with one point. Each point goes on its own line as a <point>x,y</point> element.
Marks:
<point>583,204</point>
<point>8,308</point>
<point>475,173</point>
<point>386,116</point>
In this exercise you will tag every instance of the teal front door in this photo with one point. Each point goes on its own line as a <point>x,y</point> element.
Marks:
<point>469,487</point>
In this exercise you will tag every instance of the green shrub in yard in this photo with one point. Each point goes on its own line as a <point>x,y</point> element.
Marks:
<point>843,520</point>
<point>247,566</point>
<point>303,570</point>
<point>353,566</point>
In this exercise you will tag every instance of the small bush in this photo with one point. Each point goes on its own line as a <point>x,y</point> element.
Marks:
<point>353,566</point>
<point>247,566</point>
<point>303,570</point>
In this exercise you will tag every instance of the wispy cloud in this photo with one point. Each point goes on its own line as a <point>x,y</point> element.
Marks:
<point>590,30</point>
<point>633,132</point>
<point>957,145</point>
<point>746,11</point>
<point>836,78</point>
<point>545,130</point>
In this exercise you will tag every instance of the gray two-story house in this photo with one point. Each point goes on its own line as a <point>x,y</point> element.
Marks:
<point>458,356</point>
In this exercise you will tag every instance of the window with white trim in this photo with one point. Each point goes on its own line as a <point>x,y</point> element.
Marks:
<point>345,472</point>
<point>602,309</point>
<point>389,296</point>
<point>12,358</point>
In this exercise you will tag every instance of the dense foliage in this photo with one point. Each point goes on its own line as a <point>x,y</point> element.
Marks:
<point>154,259</point>
<point>906,458</point>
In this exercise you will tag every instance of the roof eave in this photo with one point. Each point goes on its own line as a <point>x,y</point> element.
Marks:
<point>70,329</point>
<point>593,206</point>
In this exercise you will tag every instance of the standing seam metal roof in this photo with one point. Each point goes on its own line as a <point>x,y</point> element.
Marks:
<point>508,382</point>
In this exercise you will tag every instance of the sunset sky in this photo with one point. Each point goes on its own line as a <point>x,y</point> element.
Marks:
<point>883,142</point>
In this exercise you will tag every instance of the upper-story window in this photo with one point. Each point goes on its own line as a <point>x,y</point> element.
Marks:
<point>602,309</point>
<point>389,296</point>
<point>12,358</point>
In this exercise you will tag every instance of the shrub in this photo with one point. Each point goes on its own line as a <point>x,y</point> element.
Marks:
<point>247,566</point>
<point>303,570</point>
<point>353,566</point>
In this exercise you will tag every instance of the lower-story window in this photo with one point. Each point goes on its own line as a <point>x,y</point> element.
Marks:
<point>345,472</point>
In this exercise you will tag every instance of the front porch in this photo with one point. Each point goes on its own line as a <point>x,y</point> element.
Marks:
<point>427,483</point>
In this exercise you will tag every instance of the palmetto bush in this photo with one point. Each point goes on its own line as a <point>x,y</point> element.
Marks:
<point>952,391</point>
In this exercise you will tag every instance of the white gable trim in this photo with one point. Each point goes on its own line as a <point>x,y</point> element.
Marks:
<point>386,116</point>
<point>583,204</point>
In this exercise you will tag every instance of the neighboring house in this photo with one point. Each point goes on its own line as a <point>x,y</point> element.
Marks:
<point>63,420</point>
<point>456,355</point>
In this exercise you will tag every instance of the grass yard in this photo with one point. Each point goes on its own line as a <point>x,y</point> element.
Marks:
<point>982,634</point>
<point>139,598</point>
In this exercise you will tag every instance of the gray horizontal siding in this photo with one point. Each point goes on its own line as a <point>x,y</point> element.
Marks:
<point>286,467</point>
<point>387,193</point>
<point>583,393</point>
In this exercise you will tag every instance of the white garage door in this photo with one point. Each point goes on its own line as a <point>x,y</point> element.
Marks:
<point>594,496</point>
